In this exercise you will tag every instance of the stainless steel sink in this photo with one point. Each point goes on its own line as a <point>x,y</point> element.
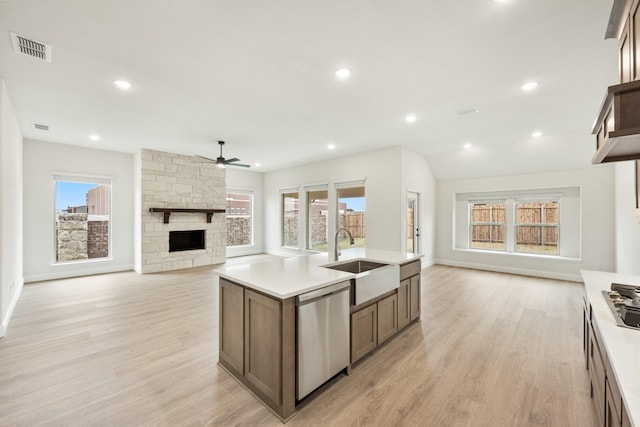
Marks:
<point>372,278</point>
<point>357,266</point>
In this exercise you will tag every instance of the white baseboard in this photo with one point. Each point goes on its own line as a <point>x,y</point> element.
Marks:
<point>12,306</point>
<point>77,273</point>
<point>426,263</point>
<point>511,270</point>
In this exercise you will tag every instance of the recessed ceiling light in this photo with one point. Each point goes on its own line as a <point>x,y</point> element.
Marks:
<point>122,84</point>
<point>343,73</point>
<point>411,118</point>
<point>536,134</point>
<point>467,146</point>
<point>529,86</point>
<point>331,146</point>
<point>94,137</point>
<point>257,165</point>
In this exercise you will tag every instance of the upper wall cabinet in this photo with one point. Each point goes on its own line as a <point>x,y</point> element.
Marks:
<point>617,127</point>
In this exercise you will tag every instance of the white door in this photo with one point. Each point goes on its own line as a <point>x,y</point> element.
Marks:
<point>413,223</point>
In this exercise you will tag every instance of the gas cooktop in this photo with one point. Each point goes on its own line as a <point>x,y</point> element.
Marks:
<point>624,302</point>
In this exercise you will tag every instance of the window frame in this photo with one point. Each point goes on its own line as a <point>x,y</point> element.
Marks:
<point>284,193</point>
<point>542,224</point>
<point>491,224</point>
<point>72,177</point>
<point>351,185</point>
<point>234,211</point>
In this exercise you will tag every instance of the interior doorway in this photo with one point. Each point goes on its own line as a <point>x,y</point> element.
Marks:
<point>413,222</point>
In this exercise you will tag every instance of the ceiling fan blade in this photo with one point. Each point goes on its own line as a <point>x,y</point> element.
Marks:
<point>205,158</point>
<point>238,164</point>
<point>235,159</point>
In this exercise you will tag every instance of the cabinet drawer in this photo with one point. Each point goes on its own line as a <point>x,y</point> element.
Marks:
<point>410,269</point>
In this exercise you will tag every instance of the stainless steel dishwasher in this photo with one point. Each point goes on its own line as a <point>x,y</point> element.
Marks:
<point>322,335</point>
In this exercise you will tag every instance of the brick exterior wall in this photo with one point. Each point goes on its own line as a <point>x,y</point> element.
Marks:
<point>98,239</point>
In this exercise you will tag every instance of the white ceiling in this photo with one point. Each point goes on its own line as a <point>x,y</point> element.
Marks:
<point>260,75</point>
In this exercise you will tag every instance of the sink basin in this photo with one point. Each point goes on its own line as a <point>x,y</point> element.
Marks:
<point>357,266</point>
<point>372,278</point>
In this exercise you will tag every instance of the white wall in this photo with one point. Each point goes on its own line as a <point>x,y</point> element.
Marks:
<point>390,173</point>
<point>40,160</point>
<point>385,203</point>
<point>240,179</point>
<point>627,225</point>
<point>597,225</point>
<point>11,186</point>
<point>417,178</point>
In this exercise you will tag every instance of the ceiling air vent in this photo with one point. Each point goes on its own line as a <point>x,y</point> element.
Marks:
<point>30,47</point>
<point>41,127</point>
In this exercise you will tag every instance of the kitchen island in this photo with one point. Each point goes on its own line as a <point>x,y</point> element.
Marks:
<point>259,341</point>
<point>611,353</point>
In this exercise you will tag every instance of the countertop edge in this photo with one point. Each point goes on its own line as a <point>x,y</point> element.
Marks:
<point>618,341</point>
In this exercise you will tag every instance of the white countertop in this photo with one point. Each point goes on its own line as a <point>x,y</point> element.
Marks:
<point>289,277</point>
<point>622,344</point>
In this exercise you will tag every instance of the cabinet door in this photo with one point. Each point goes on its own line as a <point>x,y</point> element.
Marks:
<point>634,34</point>
<point>231,326</point>
<point>611,416</point>
<point>597,375</point>
<point>387,318</point>
<point>415,297</point>
<point>625,418</point>
<point>404,315</point>
<point>624,56</point>
<point>585,335</point>
<point>364,331</point>
<point>263,344</point>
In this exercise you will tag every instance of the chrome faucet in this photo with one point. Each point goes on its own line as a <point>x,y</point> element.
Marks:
<point>336,249</point>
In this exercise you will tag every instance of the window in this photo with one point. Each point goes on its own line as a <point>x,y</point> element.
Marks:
<point>239,218</point>
<point>317,220</point>
<point>524,221</point>
<point>537,227</point>
<point>351,213</point>
<point>487,226</point>
<point>290,218</point>
<point>82,218</point>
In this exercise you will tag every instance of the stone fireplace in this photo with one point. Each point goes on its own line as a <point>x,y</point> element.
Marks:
<point>173,181</point>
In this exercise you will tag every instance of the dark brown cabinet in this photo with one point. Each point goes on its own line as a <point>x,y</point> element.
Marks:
<point>617,127</point>
<point>605,392</point>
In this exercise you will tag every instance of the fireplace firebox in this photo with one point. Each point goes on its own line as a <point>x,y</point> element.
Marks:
<point>186,240</point>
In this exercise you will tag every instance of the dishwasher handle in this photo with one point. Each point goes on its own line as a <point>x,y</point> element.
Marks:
<point>312,296</point>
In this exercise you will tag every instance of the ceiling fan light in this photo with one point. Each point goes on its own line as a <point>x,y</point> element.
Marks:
<point>220,165</point>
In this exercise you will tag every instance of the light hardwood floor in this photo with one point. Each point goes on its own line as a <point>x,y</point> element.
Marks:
<point>122,349</point>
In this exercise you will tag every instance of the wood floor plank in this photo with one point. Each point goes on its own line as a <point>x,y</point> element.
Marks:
<point>491,349</point>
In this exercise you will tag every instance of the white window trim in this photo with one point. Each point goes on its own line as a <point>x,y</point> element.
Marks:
<point>235,190</point>
<point>81,179</point>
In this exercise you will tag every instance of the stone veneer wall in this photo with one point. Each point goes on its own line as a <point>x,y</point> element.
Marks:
<point>176,181</point>
<point>71,236</point>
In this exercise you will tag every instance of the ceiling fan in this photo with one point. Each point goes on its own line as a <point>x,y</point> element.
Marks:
<point>221,162</point>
